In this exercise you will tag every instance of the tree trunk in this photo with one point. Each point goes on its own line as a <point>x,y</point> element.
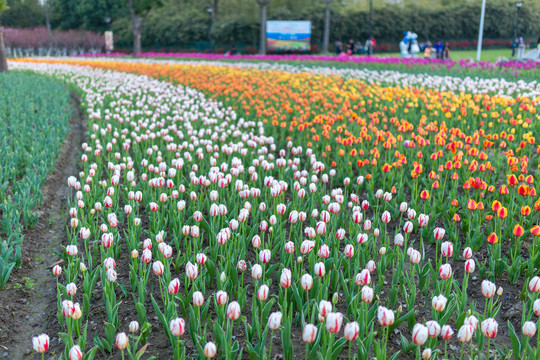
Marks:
<point>326,38</point>
<point>137,23</point>
<point>48,23</point>
<point>215,12</point>
<point>262,46</point>
<point>3,57</point>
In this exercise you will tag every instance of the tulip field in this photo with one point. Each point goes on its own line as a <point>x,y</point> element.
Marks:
<point>251,211</point>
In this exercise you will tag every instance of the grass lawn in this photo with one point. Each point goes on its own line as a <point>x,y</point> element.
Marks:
<point>487,54</point>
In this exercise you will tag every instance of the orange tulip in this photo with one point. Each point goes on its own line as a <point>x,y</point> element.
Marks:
<point>535,230</point>
<point>518,230</point>
<point>492,238</point>
<point>471,204</point>
<point>502,213</point>
<point>424,195</point>
<point>511,180</point>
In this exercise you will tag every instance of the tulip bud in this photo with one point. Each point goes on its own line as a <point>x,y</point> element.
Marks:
<point>57,270</point>
<point>233,310</point>
<point>134,326</point>
<point>210,350</point>
<point>529,329</point>
<point>426,354</point>
<point>274,320</point>
<point>121,341</point>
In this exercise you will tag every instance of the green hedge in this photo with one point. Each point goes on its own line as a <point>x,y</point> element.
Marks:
<point>175,28</point>
<point>34,117</point>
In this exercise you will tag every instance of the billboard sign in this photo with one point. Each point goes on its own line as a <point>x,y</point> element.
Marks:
<point>109,45</point>
<point>288,35</point>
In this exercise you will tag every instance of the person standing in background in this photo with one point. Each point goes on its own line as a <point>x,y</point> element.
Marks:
<point>350,47</point>
<point>427,50</point>
<point>339,48</point>
<point>446,51</point>
<point>538,47</point>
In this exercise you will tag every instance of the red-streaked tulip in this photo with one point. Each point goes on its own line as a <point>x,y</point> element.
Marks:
<point>445,271</point>
<point>446,332</point>
<point>201,258</point>
<point>465,333</point>
<point>471,320</point>
<point>134,326</point>
<point>71,289</point>
<point>57,270</point>
<point>210,350</point>
<point>351,331</point>
<point>158,267</point>
<point>256,271</point>
<point>439,302</point>
<point>121,341</point>
<point>68,308</point>
<point>146,256</point>
<point>528,329</point>
<point>489,328</point>
<point>470,265</point>
<point>467,253</point>
<point>41,343</point>
<point>71,250</point>
<point>367,294</point>
<point>333,322</point>
<point>447,249</point>
<point>534,284</point>
<point>536,307</point>
<point>111,275</point>
<point>309,334</point>
<point>233,310</point>
<point>75,353</point>
<point>264,256</point>
<point>371,267</point>
<point>320,269</point>
<point>177,327</point>
<point>306,282</point>
<point>488,289</point>
<point>415,256</point>
<point>274,320</point>
<point>434,329</point>
<point>222,297</point>
<point>419,334</point>
<point>438,233</point>
<point>286,278</point>
<point>174,286</point>
<point>192,271</point>
<point>262,293</point>
<point>198,299</point>
<point>385,316</point>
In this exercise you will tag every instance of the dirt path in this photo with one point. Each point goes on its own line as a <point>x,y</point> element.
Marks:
<point>28,302</point>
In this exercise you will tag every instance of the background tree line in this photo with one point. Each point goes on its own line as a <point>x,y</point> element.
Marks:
<point>188,25</point>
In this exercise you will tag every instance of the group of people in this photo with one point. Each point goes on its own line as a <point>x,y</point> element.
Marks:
<point>438,51</point>
<point>352,47</point>
<point>409,47</point>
